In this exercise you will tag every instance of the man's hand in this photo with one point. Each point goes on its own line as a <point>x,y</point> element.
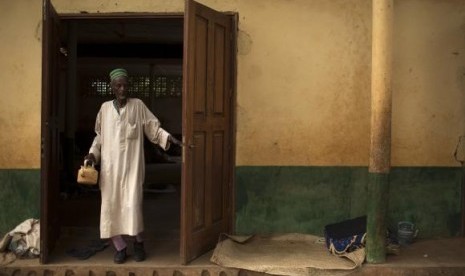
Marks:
<point>90,159</point>
<point>175,141</point>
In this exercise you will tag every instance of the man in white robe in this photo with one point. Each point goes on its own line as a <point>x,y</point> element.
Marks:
<point>119,148</point>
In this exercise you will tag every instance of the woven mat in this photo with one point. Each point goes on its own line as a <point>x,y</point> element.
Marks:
<point>6,258</point>
<point>287,254</point>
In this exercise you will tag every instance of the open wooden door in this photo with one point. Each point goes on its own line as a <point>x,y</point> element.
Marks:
<point>207,129</point>
<point>49,226</point>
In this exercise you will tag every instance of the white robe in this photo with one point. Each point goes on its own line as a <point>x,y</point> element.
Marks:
<point>119,147</point>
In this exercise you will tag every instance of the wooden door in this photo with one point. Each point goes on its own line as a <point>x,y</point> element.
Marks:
<point>49,229</point>
<point>207,129</point>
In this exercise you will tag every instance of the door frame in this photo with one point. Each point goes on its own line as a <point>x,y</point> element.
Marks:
<point>49,180</point>
<point>180,15</point>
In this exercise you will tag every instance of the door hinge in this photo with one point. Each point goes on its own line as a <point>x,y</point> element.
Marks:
<point>64,51</point>
<point>42,147</point>
<point>44,11</point>
<point>183,150</point>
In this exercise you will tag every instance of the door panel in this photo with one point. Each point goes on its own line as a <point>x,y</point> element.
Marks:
<point>219,47</point>
<point>217,176</point>
<point>200,84</point>
<point>50,139</point>
<point>198,181</point>
<point>207,129</point>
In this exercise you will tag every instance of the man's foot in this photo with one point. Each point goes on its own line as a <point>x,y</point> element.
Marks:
<point>120,256</point>
<point>139,252</point>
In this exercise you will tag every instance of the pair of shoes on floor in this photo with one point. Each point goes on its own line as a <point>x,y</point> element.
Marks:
<point>139,254</point>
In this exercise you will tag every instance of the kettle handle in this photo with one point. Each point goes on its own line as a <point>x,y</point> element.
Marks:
<point>86,161</point>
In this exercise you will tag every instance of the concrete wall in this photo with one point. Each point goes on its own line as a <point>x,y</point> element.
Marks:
<point>20,79</point>
<point>303,92</point>
<point>303,79</point>
<point>428,81</point>
<point>303,98</point>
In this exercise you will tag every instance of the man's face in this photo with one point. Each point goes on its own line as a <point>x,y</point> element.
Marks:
<point>120,87</point>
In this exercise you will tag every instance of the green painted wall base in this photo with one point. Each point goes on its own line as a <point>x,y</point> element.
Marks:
<point>296,199</point>
<point>19,197</point>
<point>305,199</point>
<point>377,201</point>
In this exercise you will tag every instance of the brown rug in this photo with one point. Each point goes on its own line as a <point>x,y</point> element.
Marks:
<point>287,254</point>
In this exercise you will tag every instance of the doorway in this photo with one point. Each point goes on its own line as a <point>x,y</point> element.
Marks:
<point>188,193</point>
<point>151,51</point>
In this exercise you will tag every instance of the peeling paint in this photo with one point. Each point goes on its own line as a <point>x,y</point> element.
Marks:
<point>244,43</point>
<point>38,32</point>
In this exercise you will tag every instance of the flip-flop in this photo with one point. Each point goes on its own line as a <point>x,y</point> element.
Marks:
<point>81,253</point>
<point>98,245</point>
<point>86,252</point>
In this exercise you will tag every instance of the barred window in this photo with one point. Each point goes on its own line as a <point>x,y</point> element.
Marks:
<point>140,86</point>
<point>167,86</point>
<point>96,86</point>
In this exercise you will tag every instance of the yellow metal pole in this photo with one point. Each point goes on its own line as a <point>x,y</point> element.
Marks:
<point>380,146</point>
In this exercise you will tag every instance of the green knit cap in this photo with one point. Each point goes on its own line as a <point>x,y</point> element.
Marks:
<point>119,72</point>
